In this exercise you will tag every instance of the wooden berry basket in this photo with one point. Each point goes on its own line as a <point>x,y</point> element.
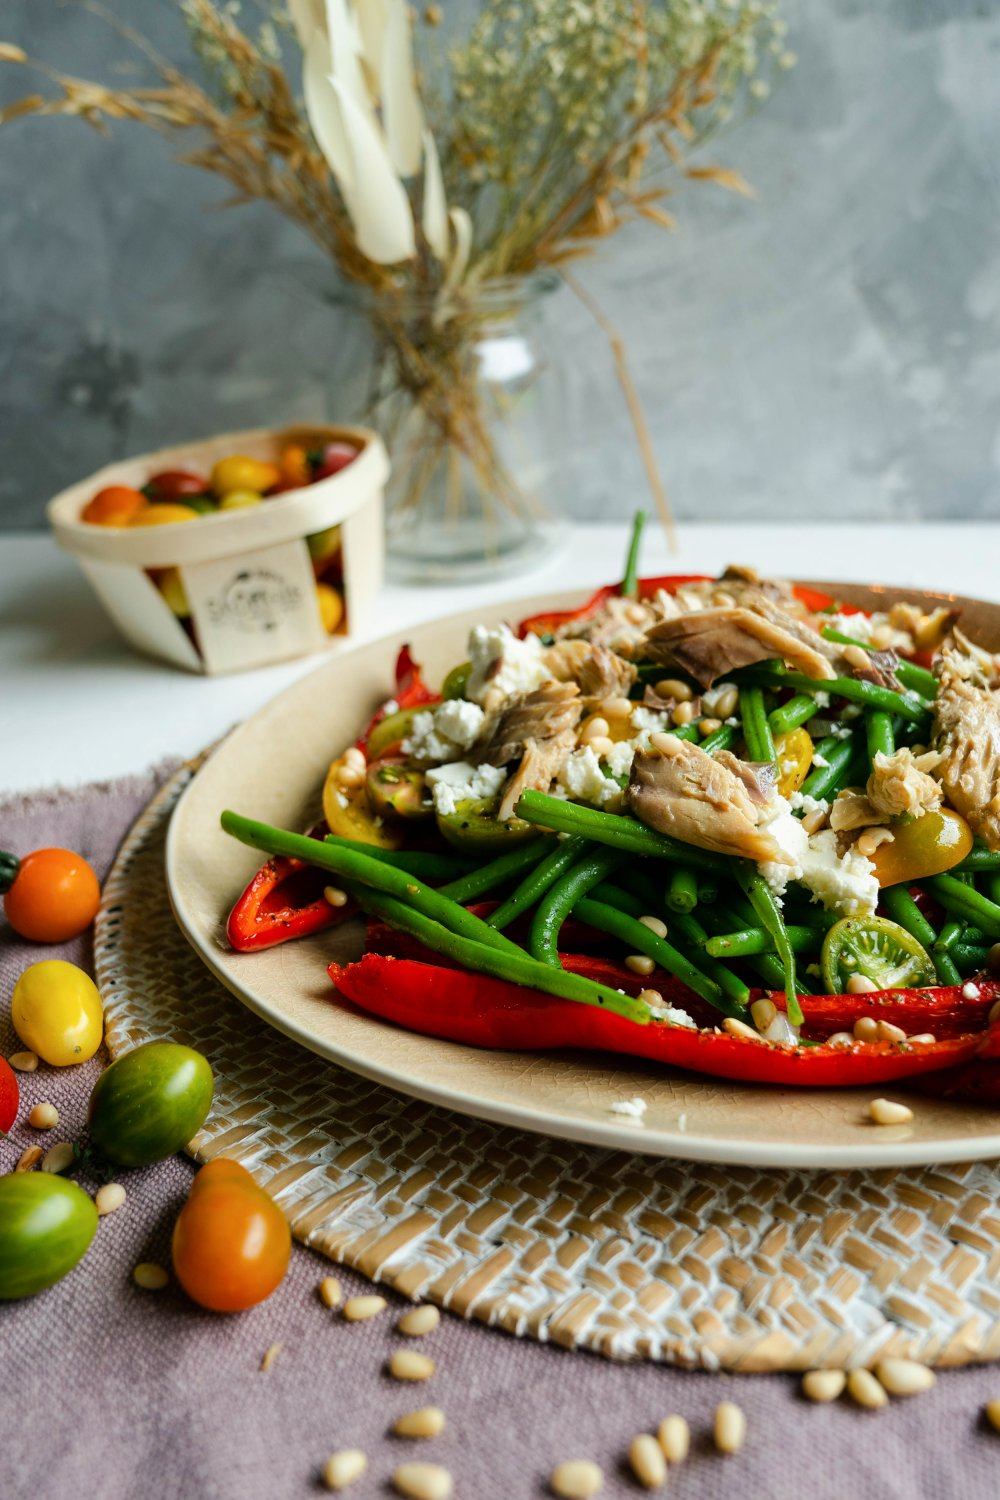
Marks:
<point>247,574</point>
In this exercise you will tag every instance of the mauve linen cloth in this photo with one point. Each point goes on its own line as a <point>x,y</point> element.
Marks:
<point>112,1393</point>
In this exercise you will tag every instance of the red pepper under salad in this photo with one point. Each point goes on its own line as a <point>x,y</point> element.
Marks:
<point>726,824</point>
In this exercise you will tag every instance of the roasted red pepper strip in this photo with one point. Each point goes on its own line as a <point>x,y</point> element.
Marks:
<point>284,900</point>
<point>411,692</point>
<point>943,1010</point>
<point>482,1012</point>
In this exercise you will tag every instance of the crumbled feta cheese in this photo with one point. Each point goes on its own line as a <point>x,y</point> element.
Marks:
<point>442,733</point>
<point>839,732</point>
<point>820,760</point>
<point>649,720</point>
<point>500,660</point>
<point>581,777</point>
<point>821,699</point>
<point>390,706</point>
<point>802,802</point>
<point>970,991</point>
<point>672,1015</point>
<point>634,1109</point>
<point>843,883</point>
<point>620,757</point>
<point>461,782</point>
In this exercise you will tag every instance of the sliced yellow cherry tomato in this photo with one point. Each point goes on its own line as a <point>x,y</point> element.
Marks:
<point>794,752</point>
<point>928,845</point>
<point>349,814</point>
<point>238,472</point>
<point>56,1011</point>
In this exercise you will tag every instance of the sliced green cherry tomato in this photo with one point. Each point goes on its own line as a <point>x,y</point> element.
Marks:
<point>474,825</point>
<point>880,950</point>
<point>925,846</point>
<point>149,1103</point>
<point>46,1226</point>
<point>390,730</point>
<point>396,791</point>
<point>455,683</point>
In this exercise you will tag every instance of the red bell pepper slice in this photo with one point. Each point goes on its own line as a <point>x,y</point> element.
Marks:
<point>943,1010</point>
<point>482,1012</point>
<point>411,692</point>
<point>9,1096</point>
<point>284,900</point>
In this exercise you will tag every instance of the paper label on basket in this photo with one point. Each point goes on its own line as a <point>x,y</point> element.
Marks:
<point>254,608</point>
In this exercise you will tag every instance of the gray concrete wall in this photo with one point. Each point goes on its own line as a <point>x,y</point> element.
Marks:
<point>832,349</point>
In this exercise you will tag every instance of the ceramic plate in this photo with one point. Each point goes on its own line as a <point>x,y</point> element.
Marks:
<point>272,767</point>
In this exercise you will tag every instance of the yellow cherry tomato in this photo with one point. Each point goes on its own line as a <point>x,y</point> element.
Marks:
<point>241,473</point>
<point>331,606</point>
<point>168,581</point>
<point>349,814</point>
<point>794,752</point>
<point>928,845</point>
<point>240,499</point>
<point>323,545</point>
<point>165,513</point>
<point>56,1011</point>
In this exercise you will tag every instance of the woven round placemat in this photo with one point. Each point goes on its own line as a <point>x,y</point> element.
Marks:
<point>628,1256</point>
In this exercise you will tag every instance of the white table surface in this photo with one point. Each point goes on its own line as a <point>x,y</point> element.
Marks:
<point>77,704</point>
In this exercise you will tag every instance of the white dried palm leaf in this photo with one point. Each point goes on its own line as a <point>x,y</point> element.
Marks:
<point>461,225</point>
<point>371,19</point>
<point>345,55</point>
<point>434,219</point>
<point>377,202</point>
<point>307,17</point>
<point>401,111</point>
<point>324,113</point>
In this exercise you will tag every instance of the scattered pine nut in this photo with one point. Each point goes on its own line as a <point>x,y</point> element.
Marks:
<point>865,1029</point>
<point>863,1388</point>
<point>991,1411</point>
<point>330,1293</point>
<point>425,1422</point>
<point>350,776</point>
<point>739,1028</point>
<point>709,725</point>
<point>823,1385</point>
<point>334,896</point>
<point>418,1321</point>
<point>359,1309</point>
<point>595,728</point>
<point>23,1062</point>
<point>887,1032</point>
<point>58,1158</point>
<point>673,687</point>
<point>888,1112</point>
<point>270,1356</point>
<point>655,925</point>
<point>617,708</point>
<point>661,741</point>
<point>109,1198</point>
<point>922,1039</point>
<point>841,1039</point>
<point>674,1437</point>
<point>650,997</point>
<point>343,1468</point>
<point>150,1276</point>
<point>764,1012</point>
<point>904,1377</point>
<point>43,1117</point>
<point>648,1462</point>
<point>860,984</point>
<point>640,963</point>
<point>576,1479</point>
<point>729,1428</point>
<point>683,714</point>
<point>725,703</point>
<point>423,1482</point>
<point>602,745</point>
<point>407,1364</point>
<point>28,1158</point>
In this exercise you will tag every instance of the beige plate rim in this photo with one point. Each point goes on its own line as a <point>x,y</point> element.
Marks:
<point>200,885</point>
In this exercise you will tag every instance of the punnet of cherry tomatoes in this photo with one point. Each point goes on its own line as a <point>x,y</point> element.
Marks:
<point>173,497</point>
<point>231,1243</point>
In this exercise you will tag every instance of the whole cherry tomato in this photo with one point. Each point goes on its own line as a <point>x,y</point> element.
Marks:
<point>928,845</point>
<point>114,506</point>
<point>174,484</point>
<point>331,606</point>
<point>50,895</point>
<point>231,1243</point>
<point>335,456</point>
<point>163,513</point>
<point>9,1096</point>
<point>238,472</point>
<point>296,470</point>
<point>56,1011</point>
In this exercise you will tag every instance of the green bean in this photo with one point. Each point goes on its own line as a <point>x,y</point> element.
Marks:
<point>756,729</point>
<point>512,965</point>
<point>916,678</point>
<point>980,861</point>
<point>993,888</point>
<point>626,834</point>
<point>622,900</point>
<point>708,891</point>
<point>682,890</point>
<point>752,941</point>
<point>642,939</point>
<point>792,715</point>
<point>630,582</point>
<point>967,903</point>
<point>691,933</point>
<point>903,909</point>
<point>559,900</point>
<point>945,967</point>
<point>762,899</point>
<point>496,871</point>
<point>722,738</point>
<point>349,864</point>
<point>881,739</point>
<point>909,706</point>
<point>537,881</point>
<point>949,936</point>
<point>969,958</point>
<point>738,913</point>
<point>838,754</point>
<point>427,864</point>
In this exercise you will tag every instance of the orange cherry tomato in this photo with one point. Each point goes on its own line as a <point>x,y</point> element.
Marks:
<point>296,470</point>
<point>231,1243</point>
<point>114,506</point>
<point>928,845</point>
<point>52,896</point>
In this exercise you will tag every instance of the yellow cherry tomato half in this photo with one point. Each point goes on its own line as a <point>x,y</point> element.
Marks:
<point>240,499</point>
<point>52,897</point>
<point>794,752</point>
<point>164,513</point>
<point>238,472</point>
<point>331,606</point>
<point>928,845</point>
<point>349,814</point>
<point>56,1011</point>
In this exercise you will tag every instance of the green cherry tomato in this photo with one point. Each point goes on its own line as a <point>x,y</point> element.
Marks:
<point>455,683</point>
<point>149,1103</point>
<point>46,1226</point>
<point>879,949</point>
<point>474,825</point>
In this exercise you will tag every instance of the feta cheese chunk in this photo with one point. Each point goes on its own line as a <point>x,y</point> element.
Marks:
<point>582,779</point>
<point>633,1109</point>
<point>842,883</point>
<point>500,660</point>
<point>461,782</point>
<point>444,732</point>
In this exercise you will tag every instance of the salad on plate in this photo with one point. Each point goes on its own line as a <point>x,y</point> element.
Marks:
<point>726,824</point>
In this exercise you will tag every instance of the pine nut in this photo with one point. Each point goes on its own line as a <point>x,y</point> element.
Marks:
<point>150,1276</point>
<point>887,1032</point>
<point>655,925</point>
<point>640,963</point>
<point>406,1364</point>
<point>860,984</point>
<point>763,1012</point>
<point>994,1012</point>
<point>28,1158</point>
<point>351,776</point>
<point>27,1062</point>
<point>823,1385</point>
<point>44,1116</point>
<point>672,687</point>
<point>992,1413</point>
<point>330,1293</point>
<point>334,896</point>
<point>648,1463</point>
<point>730,1427</point>
<point>425,1422</point>
<point>601,744</point>
<point>841,1039</point>
<point>726,703</point>
<point>595,728</point>
<point>674,1437</point>
<point>741,1029</point>
<point>904,1377</point>
<point>856,656</point>
<point>709,725</point>
<point>109,1199</point>
<point>888,1112</point>
<point>271,1353</point>
<point>422,1482</point>
<point>663,742</point>
<point>683,714</point>
<point>922,1039</point>
<point>866,1029</point>
<point>343,1468</point>
<point>576,1479</point>
<point>863,1388</point>
<point>418,1321</point>
<point>354,757</point>
<point>58,1158</point>
<point>814,821</point>
<point>359,1309</point>
<point>617,708</point>
<point>651,997</point>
